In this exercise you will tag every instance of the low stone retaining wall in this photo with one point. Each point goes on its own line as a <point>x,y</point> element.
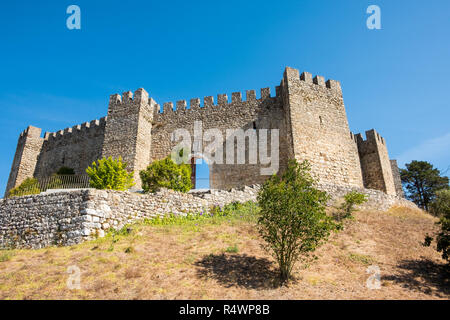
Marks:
<point>222,197</point>
<point>41,220</point>
<point>70,217</point>
<point>377,200</point>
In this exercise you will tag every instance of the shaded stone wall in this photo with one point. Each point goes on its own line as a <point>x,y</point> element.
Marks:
<point>375,163</point>
<point>75,147</point>
<point>397,179</point>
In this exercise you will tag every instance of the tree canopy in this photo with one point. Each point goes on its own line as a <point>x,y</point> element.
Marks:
<point>421,181</point>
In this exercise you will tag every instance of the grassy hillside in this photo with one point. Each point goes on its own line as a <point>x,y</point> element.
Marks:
<point>221,258</point>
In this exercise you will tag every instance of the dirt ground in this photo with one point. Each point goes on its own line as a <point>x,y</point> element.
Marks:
<point>225,261</point>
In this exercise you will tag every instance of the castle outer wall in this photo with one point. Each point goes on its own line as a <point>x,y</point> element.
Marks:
<point>308,111</point>
<point>74,216</point>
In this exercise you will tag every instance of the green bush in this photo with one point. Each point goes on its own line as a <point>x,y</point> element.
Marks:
<point>28,186</point>
<point>110,174</point>
<point>443,237</point>
<point>441,203</point>
<point>351,199</point>
<point>167,174</point>
<point>292,220</point>
<point>441,208</point>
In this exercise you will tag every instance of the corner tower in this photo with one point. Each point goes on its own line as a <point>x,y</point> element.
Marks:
<point>375,164</point>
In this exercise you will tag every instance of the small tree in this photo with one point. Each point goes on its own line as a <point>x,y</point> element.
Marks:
<point>292,220</point>
<point>28,186</point>
<point>166,173</point>
<point>422,180</point>
<point>347,208</point>
<point>441,208</point>
<point>109,173</point>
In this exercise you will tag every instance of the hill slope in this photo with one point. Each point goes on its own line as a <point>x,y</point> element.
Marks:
<point>222,259</point>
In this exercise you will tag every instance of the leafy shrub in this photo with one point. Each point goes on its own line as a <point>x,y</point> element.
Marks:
<point>441,207</point>
<point>65,171</point>
<point>441,203</point>
<point>28,186</point>
<point>443,237</point>
<point>167,174</point>
<point>110,174</point>
<point>351,199</point>
<point>292,221</point>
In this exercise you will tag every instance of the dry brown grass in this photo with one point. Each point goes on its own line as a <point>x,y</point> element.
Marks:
<point>185,262</point>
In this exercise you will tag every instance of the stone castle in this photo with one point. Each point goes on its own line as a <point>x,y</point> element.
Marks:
<point>308,111</point>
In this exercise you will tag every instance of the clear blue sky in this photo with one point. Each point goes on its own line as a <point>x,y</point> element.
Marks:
<point>396,80</point>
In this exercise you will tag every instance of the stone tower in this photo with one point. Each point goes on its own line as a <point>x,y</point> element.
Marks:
<point>128,132</point>
<point>318,130</point>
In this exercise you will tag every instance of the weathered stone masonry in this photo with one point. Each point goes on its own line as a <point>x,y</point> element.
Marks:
<point>73,216</point>
<point>308,111</point>
<point>70,217</point>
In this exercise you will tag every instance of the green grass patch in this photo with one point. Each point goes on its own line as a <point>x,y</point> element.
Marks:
<point>233,212</point>
<point>361,258</point>
<point>6,255</point>
<point>233,249</point>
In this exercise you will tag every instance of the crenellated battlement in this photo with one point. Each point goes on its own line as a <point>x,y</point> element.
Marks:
<point>30,131</point>
<point>127,101</point>
<point>140,95</point>
<point>222,101</point>
<point>80,129</point>
<point>371,136</point>
<point>307,78</point>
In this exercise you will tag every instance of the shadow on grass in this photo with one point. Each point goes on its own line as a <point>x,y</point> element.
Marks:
<point>426,276</point>
<point>239,270</point>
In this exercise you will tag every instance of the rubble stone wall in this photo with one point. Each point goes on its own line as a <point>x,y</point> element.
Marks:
<point>72,216</point>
